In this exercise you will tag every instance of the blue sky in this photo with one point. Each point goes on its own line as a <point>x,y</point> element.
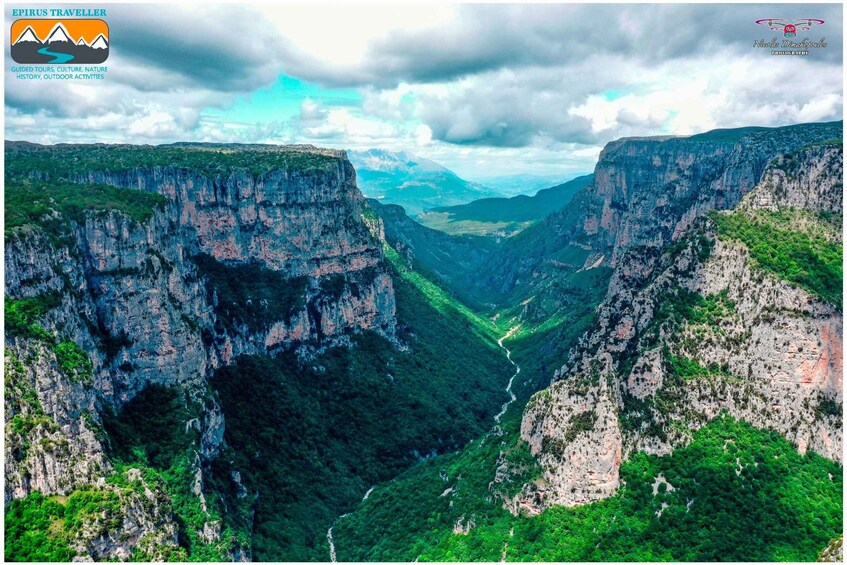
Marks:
<point>282,101</point>
<point>483,89</point>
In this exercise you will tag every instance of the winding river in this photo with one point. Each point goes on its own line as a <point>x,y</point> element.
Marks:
<point>332,555</point>
<point>59,57</point>
<point>512,380</point>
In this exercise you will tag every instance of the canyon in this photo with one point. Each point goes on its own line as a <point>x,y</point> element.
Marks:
<point>213,351</point>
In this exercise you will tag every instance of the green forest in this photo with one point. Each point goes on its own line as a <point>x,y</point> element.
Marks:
<point>30,202</point>
<point>735,493</point>
<point>212,161</point>
<point>803,257</point>
<point>311,438</point>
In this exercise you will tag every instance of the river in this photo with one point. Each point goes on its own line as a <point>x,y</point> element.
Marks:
<point>60,57</point>
<point>332,556</point>
<point>511,380</point>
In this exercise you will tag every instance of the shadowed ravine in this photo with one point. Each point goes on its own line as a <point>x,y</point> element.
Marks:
<point>332,555</point>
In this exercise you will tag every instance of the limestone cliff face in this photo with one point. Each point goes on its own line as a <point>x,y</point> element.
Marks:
<point>640,180</point>
<point>765,350</point>
<point>297,222</point>
<point>140,526</point>
<point>140,280</point>
<point>135,296</point>
<point>581,428</point>
<point>51,445</point>
<point>808,181</point>
<point>648,191</point>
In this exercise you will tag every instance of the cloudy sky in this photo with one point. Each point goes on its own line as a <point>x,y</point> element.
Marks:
<point>483,89</point>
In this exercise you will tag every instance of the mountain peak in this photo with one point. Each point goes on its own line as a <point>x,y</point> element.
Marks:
<point>28,35</point>
<point>58,33</point>
<point>385,160</point>
<point>100,42</point>
<point>417,184</point>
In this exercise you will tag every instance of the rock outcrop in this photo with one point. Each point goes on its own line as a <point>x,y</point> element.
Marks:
<point>580,428</point>
<point>168,299</point>
<point>833,552</point>
<point>693,328</point>
<point>646,192</point>
<point>137,525</point>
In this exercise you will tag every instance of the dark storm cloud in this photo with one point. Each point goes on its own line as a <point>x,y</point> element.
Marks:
<point>166,64</point>
<point>575,104</point>
<point>511,109</point>
<point>226,48</point>
<point>490,37</point>
<point>518,71</point>
<point>158,50</point>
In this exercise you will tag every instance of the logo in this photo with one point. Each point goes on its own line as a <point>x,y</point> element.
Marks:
<point>73,41</point>
<point>790,28</point>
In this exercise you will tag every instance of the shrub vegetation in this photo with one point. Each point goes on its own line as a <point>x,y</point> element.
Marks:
<point>809,260</point>
<point>739,494</point>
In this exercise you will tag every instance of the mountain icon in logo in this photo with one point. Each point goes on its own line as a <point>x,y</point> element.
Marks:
<point>100,43</point>
<point>28,35</point>
<point>79,42</point>
<point>58,34</point>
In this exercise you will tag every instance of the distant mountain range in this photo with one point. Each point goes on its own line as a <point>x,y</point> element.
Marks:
<point>513,185</point>
<point>503,216</point>
<point>415,183</point>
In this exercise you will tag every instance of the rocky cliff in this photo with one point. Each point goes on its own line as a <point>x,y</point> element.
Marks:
<point>645,192</point>
<point>733,311</point>
<point>246,250</point>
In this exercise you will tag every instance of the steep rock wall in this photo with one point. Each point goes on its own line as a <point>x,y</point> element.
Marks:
<point>648,191</point>
<point>767,351</point>
<point>133,296</point>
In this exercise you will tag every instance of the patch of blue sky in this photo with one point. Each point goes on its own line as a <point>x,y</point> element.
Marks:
<point>669,127</point>
<point>282,101</point>
<point>613,94</point>
<point>409,98</point>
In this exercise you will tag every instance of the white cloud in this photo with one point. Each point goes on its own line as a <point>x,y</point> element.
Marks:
<point>822,108</point>
<point>341,123</point>
<point>482,88</point>
<point>155,123</point>
<point>423,135</point>
<point>602,113</point>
